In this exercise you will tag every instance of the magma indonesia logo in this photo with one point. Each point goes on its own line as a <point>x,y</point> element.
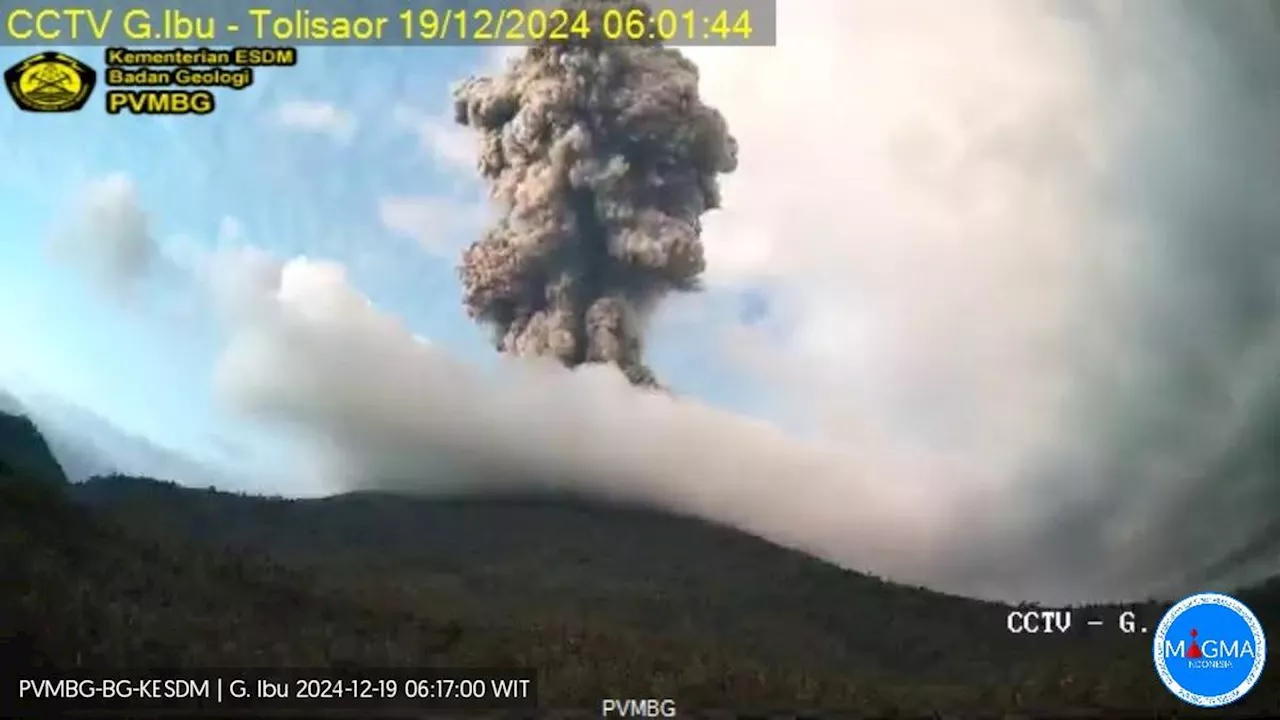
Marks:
<point>1209,650</point>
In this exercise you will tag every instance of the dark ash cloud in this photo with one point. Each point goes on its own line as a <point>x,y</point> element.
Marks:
<point>603,159</point>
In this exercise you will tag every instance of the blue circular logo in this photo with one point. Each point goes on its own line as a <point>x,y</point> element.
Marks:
<point>1209,650</point>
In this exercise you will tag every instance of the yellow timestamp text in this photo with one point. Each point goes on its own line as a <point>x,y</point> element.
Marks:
<point>515,26</point>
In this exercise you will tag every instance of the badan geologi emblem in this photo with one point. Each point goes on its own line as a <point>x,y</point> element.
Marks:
<point>50,82</point>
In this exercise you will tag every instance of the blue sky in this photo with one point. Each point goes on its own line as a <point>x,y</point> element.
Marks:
<point>348,157</point>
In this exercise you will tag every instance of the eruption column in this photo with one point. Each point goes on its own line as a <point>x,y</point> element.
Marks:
<point>602,159</point>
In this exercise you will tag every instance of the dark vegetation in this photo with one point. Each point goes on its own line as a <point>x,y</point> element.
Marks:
<point>603,601</point>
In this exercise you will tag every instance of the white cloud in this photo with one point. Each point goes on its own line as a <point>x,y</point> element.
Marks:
<point>1006,234</point>
<point>108,235</point>
<point>440,225</point>
<point>452,146</point>
<point>926,217</point>
<point>317,117</point>
<point>395,410</point>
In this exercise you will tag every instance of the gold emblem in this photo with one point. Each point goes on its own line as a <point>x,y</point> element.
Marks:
<point>50,82</point>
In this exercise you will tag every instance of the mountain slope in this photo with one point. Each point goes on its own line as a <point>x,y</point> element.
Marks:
<point>680,587</point>
<point>23,450</point>
<point>90,595</point>
<point>619,565</point>
<point>10,405</point>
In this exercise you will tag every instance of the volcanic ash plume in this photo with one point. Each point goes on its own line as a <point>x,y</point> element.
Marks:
<point>602,158</point>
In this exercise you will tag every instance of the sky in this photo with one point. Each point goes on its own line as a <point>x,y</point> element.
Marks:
<point>992,293</point>
<point>351,156</point>
<point>335,157</point>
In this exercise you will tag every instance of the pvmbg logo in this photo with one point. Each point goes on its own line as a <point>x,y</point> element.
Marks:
<point>1209,650</point>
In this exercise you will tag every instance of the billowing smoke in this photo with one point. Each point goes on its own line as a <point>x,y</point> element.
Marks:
<point>603,159</point>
